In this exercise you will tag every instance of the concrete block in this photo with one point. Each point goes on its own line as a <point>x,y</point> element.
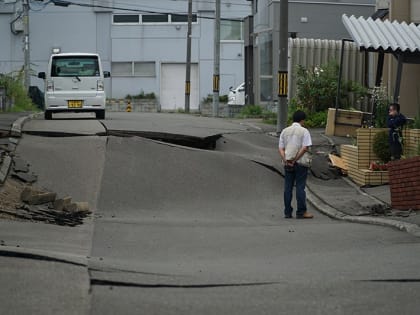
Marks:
<point>82,206</point>
<point>33,196</point>
<point>71,207</point>
<point>59,204</point>
<point>5,167</point>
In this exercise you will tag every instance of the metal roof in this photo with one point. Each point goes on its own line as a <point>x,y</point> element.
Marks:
<point>378,35</point>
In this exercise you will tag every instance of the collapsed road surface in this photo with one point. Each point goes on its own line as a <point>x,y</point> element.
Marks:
<point>187,219</point>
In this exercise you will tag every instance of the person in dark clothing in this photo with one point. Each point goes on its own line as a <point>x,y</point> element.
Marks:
<point>395,122</point>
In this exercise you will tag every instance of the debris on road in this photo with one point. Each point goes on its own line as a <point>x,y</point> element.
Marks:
<point>338,162</point>
<point>22,202</point>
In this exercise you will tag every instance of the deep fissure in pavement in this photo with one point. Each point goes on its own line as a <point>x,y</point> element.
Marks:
<point>99,282</point>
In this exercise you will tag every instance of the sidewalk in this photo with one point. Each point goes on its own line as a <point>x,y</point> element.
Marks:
<point>342,199</point>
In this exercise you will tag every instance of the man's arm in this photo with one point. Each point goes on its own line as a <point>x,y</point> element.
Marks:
<point>283,155</point>
<point>301,153</point>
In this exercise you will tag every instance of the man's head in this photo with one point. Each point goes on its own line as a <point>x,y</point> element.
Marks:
<point>394,109</point>
<point>299,117</point>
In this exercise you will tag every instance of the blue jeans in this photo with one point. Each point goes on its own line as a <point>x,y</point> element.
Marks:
<point>298,174</point>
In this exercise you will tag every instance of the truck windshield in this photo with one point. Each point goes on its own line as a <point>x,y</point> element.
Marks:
<point>75,66</point>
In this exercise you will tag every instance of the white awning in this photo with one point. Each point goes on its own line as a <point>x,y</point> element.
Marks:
<point>378,35</point>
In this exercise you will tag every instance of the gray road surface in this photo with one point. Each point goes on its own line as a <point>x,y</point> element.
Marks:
<point>184,231</point>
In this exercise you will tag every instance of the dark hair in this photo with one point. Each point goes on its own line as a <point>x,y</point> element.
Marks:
<point>299,116</point>
<point>396,106</point>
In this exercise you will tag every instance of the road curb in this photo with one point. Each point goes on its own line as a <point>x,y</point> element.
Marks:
<point>16,129</point>
<point>331,212</point>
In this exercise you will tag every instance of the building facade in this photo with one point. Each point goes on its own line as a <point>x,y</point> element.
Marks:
<point>312,19</point>
<point>143,43</point>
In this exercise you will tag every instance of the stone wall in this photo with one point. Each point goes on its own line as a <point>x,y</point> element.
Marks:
<point>225,110</point>
<point>137,105</point>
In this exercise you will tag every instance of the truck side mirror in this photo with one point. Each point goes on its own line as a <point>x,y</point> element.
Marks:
<point>41,75</point>
<point>107,74</point>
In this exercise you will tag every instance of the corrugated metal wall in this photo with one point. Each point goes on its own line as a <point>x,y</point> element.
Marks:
<point>316,52</point>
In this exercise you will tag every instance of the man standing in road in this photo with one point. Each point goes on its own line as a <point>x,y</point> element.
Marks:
<point>294,144</point>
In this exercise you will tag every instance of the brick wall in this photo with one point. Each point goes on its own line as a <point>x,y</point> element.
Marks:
<point>404,179</point>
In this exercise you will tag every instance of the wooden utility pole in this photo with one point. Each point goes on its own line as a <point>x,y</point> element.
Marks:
<point>216,72</point>
<point>26,51</point>
<point>188,63</point>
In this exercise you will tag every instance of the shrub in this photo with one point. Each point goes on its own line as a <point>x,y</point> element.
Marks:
<point>251,111</point>
<point>381,146</point>
<point>142,95</point>
<point>16,91</point>
<point>381,103</point>
<point>269,117</point>
<point>209,99</point>
<point>317,87</point>
<point>317,120</point>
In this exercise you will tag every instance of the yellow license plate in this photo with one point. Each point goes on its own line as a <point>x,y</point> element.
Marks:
<point>75,104</point>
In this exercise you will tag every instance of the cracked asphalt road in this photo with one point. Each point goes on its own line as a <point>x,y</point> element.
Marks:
<point>180,230</point>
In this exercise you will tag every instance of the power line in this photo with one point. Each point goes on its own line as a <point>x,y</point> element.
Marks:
<point>86,5</point>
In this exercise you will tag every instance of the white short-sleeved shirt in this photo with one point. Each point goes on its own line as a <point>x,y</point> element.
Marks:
<point>293,138</point>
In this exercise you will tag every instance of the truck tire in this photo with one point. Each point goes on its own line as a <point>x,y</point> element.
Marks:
<point>100,114</point>
<point>47,115</point>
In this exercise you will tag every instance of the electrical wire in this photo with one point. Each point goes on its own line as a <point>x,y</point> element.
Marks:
<point>86,5</point>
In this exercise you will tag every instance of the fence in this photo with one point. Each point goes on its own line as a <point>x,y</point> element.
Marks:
<point>316,52</point>
<point>5,102</point>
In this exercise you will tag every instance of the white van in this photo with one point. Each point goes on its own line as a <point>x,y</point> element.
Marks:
<point>74,83</point>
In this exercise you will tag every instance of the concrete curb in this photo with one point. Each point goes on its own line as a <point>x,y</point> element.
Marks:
<point>5,168</point>
<point>331,212</point>
<point>16,130</point>
<point>15,133</point>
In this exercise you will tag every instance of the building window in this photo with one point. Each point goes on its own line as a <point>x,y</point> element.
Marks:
<point>155,18</point>
<point>182,18</point>
<point>137,19</point>
<point>126,19</point>
<point>133,69</point>
<point>265,57</point>
<point>231,30</point>
<point>144,69</point>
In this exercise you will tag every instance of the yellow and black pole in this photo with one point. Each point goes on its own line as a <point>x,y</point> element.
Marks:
<point>283,83</point>
<point>283,65</point>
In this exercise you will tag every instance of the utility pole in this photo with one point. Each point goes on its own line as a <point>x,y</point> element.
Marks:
<point>188,63</point>
<point>283,65</point>
<point>216,72</point>
<point>27,59</point>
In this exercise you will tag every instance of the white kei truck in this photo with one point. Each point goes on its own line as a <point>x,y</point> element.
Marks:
<point>74,82</point>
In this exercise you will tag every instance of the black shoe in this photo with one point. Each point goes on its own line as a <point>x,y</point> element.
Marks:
<point>288,216</point>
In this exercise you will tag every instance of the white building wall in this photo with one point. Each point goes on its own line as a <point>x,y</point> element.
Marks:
<point>86,29</point>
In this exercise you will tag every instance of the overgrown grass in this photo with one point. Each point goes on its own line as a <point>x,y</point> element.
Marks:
<point>251,111</point>
<point>17,93</point>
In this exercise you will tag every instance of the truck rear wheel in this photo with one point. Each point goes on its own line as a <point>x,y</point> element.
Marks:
<point>47,115</point>
<point>100,114</point>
